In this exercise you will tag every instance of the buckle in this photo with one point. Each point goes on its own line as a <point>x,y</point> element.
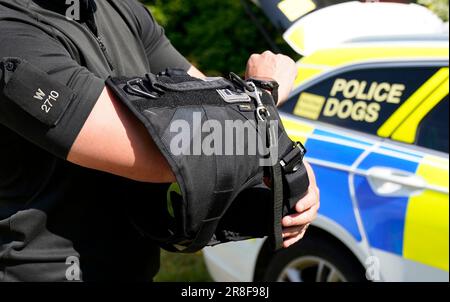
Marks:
<point>137,86</point>
<point>244,85</point>
<point>266,84</point>
<point>293,161</point>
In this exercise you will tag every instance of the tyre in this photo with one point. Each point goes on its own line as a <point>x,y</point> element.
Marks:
<point>314,259</point>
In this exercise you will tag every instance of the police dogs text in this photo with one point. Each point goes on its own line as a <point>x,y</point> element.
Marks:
<point>368,97</point>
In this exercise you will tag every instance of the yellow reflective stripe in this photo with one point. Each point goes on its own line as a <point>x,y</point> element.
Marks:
<point>435,171</point>
<point>342,56</point>
<point>335,57</point>
<point>309,105</point>
<point>298,131</point>
<point>297,38</point>
<point>413,102</point>
<point>305,74</point>
<point>407,132</point>
<point>294,9</point>
<point>426,237</point>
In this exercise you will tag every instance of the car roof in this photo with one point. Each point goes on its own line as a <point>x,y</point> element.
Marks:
<point>336,24</point>
<point>439,37</point>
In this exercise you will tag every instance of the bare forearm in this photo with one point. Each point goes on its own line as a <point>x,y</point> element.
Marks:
<point>114,141</point>
<point>194,72</point>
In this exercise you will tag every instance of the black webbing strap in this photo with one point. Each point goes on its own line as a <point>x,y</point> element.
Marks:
<point>219,83</point>
<point>278,195</point>
<point>292,160</point>
<point>275,96</point>
<point>277,179</point>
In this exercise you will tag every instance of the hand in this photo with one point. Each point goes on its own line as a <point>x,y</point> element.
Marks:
<point>277,67</point>
<point>295,226</point>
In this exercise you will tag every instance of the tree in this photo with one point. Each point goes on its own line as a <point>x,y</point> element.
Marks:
<point>440,7</point>
<point>218,35</point>
<point>215,35</point>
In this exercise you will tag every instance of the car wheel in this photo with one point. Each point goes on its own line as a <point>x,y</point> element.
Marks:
<point>314,259</point>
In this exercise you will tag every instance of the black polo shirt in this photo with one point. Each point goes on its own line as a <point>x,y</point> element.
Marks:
<point>51,211</point>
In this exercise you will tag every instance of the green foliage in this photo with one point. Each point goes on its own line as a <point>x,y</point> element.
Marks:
<point>215,35</point>
<point>440,7</point>
<point>218,36</point>
<point>182,268</point>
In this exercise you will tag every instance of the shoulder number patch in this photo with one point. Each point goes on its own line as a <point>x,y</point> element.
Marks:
<point>38,94</point>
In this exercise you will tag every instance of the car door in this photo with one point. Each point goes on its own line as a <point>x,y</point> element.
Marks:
<point>402,188</point>
<point>370,172</point>
<point>346,108</point>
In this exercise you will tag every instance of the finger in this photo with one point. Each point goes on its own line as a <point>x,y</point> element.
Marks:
<point>311,174</point>
<point>268,53</point>
<point>281,56</point>
<point>254,57</point>
<point>301,218</point>
<point>252,61</point>
<point>292,241</point>
<point>307,202</point>
<point>251,64</point>
<point>292,232</point>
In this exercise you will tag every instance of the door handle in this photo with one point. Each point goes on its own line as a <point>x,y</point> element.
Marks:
<point>395,183</point>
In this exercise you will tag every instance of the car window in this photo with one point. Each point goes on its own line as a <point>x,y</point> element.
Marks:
<point>360,100</point>
<point>433,131</point>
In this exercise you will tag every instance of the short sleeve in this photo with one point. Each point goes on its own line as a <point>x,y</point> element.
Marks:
<point>160,51</point>
<point>45,96</point>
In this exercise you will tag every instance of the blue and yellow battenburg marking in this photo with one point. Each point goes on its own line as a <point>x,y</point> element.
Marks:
<point>325,60</point>
<point>325,145</point>
<point>426,236</point>
<point>415,227</point>
<point>384,217</point>
<point>403,124</point>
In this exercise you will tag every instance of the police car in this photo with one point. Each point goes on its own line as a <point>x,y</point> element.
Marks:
<point>373,113</point>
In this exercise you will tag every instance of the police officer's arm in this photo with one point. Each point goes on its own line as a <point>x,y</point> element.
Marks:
<point>194,72</point>
<point>60,106</point>
<point>113,140</point>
